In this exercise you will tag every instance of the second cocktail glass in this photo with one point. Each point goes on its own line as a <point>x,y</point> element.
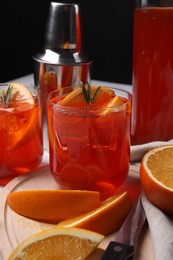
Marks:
<point>89,147</point>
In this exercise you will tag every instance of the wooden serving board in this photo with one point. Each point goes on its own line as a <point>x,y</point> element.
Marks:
<point>15,228</point>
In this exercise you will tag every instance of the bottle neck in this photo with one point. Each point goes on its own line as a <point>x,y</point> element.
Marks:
<point>154,3</point>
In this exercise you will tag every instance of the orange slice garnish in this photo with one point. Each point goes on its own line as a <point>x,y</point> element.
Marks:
<point>23,93</point>
<point>76,99</point>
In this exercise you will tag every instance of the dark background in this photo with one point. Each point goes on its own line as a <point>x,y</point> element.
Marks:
<point>107,35</point>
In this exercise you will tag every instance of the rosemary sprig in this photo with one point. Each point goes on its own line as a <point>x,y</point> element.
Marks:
<point>6,95</point>
<point>89,98</point>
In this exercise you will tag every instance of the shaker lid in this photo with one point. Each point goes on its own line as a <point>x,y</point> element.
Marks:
<point>63,41</point>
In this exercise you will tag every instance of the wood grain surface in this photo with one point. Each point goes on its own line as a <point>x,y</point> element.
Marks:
<point>15,228</point>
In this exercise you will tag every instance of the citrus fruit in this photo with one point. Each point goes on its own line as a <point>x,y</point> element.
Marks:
<point>20,92</point>
<point>52,206</point>
<point>59,243</point>
<point>76,98</point>
<point>105,219</point>
<point>116,101</point>
<point>156,175</point>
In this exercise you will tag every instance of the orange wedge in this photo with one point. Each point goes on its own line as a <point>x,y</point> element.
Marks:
<point>156,175</point>
<point>52,206</point>
<point>59,243</point>
<point>105,219</point>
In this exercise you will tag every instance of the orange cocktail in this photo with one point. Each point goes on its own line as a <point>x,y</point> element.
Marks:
<point>21,146</point>
<point>152,117</point>
<point>89,145</point>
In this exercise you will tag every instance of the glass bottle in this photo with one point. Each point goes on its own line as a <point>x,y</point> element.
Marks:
<point>152,112</point>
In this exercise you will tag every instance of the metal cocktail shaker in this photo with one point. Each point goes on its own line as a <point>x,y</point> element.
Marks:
<point>62,62</point>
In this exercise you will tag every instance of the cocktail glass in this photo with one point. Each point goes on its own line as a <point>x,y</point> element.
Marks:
<point>21,147</point>
<point>89,148</point>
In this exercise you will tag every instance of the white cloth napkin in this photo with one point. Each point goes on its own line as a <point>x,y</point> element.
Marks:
<point>161,229</point>
<point>160,224</point>
<point>137,151</point>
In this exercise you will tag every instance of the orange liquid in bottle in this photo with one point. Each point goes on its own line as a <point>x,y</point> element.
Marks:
<point>152,116</point>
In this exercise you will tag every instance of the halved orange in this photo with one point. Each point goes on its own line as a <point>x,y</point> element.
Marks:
<point>156,175</point>
<point>58,243</point>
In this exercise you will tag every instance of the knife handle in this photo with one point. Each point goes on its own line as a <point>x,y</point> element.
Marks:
<point>118,251</point>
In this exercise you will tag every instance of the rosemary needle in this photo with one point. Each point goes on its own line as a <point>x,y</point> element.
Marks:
<point>6,95</point>
<point>86,90</point>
